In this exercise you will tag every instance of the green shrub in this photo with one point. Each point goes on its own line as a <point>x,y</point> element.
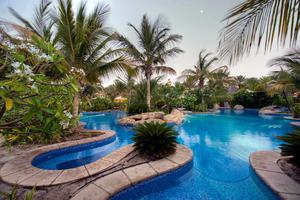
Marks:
<point>296,110</point>
<point>291,146</point>
<point>155,140</point>
<point>251,99</point>
<point>98,104</point>
<point>136,108</point>
<point>200,108</point>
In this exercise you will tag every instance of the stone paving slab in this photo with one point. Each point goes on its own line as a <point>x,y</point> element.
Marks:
<point>21,175</point>
<point>265,160</point>
<point>295,124</point>
<point>91,192</point>
<point>264,164</point>
<point>163,165</point>
<point>114,182</point>
<point>43,178</point>
<point>71,175</point>
<point>139,173</point>
<point>98,166</point>
<point>21,170</point>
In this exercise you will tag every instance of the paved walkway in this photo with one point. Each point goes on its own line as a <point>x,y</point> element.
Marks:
<point>265,165</point>
<point>107,186</point>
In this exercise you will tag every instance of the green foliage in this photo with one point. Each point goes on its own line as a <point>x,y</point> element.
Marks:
<point>97,104</point>
<point>154,140</point>
<point>291,145</point>
<point>35,107</point>
<point>251,99</point>
<point>13,194</point>
<point>136,108</point>
<point>296,110</point>
<point>168,97</point>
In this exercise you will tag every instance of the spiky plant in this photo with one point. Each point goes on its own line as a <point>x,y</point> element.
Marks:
<point>291,146</point>
<point>154,140</point>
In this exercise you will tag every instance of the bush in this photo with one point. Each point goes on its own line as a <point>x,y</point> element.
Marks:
<point>136,108</point>
<point>296,110</point>
<point>98,104</point>
<point>251,99</point>
<point>291,146</point>
<point>155,140</point>
<point>200,108</point>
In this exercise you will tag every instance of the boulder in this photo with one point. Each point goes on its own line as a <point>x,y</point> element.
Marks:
<point>126,121</point>
<point>216,106</point>
<point>238,107</point>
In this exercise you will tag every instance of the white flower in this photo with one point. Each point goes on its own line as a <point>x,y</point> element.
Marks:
<point>64,124</point>
<point>16,65</point>
<point>68,114</point>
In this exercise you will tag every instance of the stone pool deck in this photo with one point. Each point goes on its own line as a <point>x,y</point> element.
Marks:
<point>20,170</point>
<point>265,166</point>
<point>109,185</point>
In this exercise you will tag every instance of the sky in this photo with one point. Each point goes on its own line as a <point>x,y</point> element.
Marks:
<point>198,21</point>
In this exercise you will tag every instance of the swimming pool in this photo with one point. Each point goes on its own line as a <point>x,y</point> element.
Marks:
<point>221,144</point>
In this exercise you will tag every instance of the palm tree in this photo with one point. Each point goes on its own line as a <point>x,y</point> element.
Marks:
<point>155,45</point>
<point>85,43</point>
<point>255,23</point>
<point>83,40</point>
<point>282,84</point>
<point>239,80</point>
<point>42,24</point>
<point>291,63</point>
<point>203,70</point>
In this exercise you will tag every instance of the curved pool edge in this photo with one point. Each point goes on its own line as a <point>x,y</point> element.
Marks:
<point>120,181</point>
<point>21,171</point>
<point>264,164</point>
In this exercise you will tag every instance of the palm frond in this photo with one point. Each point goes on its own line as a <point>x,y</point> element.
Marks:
<point>259,22</point>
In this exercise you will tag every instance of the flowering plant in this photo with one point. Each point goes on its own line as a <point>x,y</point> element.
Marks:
<point>35,92</point>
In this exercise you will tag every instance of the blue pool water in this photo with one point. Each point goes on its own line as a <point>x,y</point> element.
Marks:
<point>221,144</point>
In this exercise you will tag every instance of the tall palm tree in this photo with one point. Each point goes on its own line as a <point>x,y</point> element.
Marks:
<point>203,69</point>
<point>86,44</point>
<point>255,23</point>
<point>281,84</point>
<point>84,41</point>
<point>155,45</point>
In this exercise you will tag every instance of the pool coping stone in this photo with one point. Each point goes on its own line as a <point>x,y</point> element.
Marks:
<point>21,171</point>
<point>265,166</point>
<point>116,182</point>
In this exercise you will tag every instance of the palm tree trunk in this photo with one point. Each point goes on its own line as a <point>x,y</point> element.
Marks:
<point>148,92</point>
<point>286,100</point>
<point>75,105</point>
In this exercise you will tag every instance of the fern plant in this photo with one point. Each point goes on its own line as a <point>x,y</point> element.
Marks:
<point>291,146</point>
<point>155,140</point>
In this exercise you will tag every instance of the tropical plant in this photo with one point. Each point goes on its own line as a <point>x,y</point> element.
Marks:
<point>255,23</point>
<point>282,84</point>
<point>35,107</point>
<point>13,194</point>
<point>290,62</point>
<point>137,100</point>
<point>296,110</point>
<point>251,99</point>
<point>291,146</point>
<point>154,140</point>
<point>155,45</point>
<point>83,40</point>
<point>203,70</point>
<point>97,104</point>
<point>239,81</point>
